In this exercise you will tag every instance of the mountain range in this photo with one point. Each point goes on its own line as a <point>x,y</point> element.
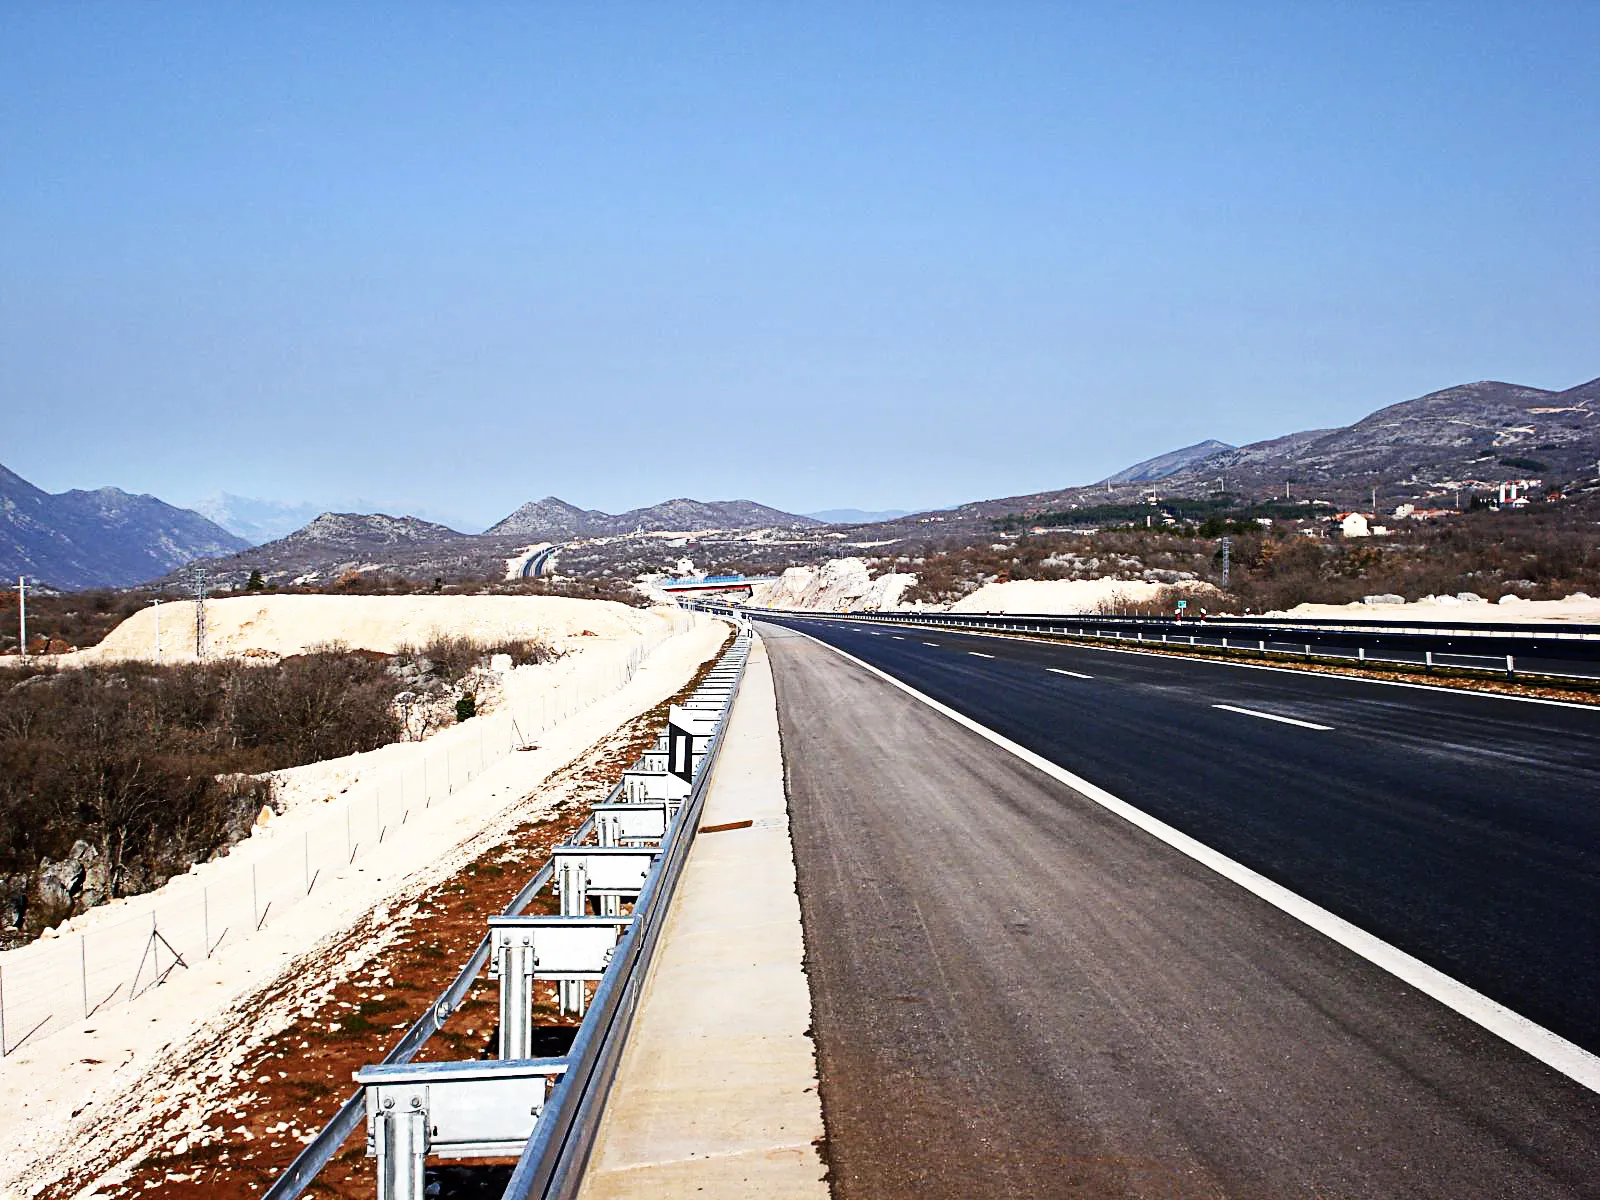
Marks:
<point>552,519</point>
<point>857,516</point>
<point>1433,446</point>
<point>101,538</point>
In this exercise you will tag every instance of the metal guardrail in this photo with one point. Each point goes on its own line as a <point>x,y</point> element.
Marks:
<point>321,1149</point>
<point>1503,649</point>
<point>552,1161</point>
<point>551,1167</point>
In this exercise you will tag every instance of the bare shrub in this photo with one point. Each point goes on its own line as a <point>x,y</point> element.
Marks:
<point>138,771</point>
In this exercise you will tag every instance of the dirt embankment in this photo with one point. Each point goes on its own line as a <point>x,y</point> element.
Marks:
<point>255,626</point>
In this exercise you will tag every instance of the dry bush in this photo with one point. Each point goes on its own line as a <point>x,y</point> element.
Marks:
<point>155,768</point>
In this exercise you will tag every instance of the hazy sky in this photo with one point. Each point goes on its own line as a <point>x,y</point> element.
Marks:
<point>456,256</point>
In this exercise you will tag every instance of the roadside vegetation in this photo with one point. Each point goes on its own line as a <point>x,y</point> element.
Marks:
<point>115,778</point>
<point>1538,553</point>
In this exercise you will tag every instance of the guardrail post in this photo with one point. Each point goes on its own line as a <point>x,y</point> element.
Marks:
<point>574,884</point>
<point>400,1142</point>
<point>517,966</point>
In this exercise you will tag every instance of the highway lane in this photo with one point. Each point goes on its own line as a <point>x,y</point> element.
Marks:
<point>1463,829</point>
<point>1018,994</point>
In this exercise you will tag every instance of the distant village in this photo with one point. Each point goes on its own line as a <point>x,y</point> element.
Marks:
<point>1324,519</point>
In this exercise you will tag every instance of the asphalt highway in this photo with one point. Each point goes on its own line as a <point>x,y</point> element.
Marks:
<point>1017,993</point>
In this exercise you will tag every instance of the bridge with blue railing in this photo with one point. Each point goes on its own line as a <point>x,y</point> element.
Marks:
<point>720,584</point>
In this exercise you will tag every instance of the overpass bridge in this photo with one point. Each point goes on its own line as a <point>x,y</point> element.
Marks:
<point>731,586</point>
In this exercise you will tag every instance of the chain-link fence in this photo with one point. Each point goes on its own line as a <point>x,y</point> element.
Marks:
<point>54,983</point>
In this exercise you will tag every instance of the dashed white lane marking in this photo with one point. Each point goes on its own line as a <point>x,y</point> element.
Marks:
<point>976,654</point>
<point>1074,674</point>
<point>1250,712</point>
<point>897,637</point>
<point>1552,1049</point>
<point>935,645</point>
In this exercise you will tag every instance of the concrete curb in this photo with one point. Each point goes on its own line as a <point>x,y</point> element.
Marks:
<point>716,1095</point>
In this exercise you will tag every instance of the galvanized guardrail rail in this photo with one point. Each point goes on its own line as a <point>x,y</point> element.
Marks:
<point>628,854</point>
<point>1501,648</point>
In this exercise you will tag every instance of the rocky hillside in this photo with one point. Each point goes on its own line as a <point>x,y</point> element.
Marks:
<point>102,538</point>
<point>553,519</point>
<point>550,519</point>
<point>1164,466</point>
<point>336,543</point>
<point>1420,450</point>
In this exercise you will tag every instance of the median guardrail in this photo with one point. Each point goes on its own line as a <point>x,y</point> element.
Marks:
<point>1506,649</point>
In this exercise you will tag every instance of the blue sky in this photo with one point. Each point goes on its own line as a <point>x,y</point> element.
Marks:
<point>452,257</point>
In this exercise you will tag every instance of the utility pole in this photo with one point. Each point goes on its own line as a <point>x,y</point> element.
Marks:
<point>1227,545</point>
<point>156,603</point>
<point>199,612</point>
<point>22,615</point>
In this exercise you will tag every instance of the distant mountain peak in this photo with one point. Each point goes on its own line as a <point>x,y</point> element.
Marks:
<point>370,530</point>
<point>103,537</point>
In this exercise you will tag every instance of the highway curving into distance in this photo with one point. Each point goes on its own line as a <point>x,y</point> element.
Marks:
<point>1018,993</point>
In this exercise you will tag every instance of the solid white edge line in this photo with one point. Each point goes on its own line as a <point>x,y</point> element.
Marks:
<point>1239,666</point>
<point>979,654</point>
<point>1265,716</point>
<point>1063,671</point>
<point>1554,1051</point>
